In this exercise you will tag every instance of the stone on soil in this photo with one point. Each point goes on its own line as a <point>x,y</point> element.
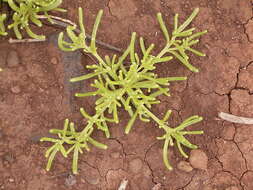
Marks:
<point>15,89</point>
<point>198,159</point>
<point>54,61</point>
<point>184,166</point>
<point>13,59</point>
<point>70,180</point>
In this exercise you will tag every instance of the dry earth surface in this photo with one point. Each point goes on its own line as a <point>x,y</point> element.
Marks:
<point>35,95</point>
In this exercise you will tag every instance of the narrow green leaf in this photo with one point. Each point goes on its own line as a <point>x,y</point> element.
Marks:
<point>196,52</point>
<point>185,62</point>
<point>142,45</point>
<point>197,35</point>
<point>94,32</point>
<point>86,94</point>
<point>35,20</point>
<point>84,113</point>
<point>50,159</point>
<point>188,21</point>
<point>75,160</point>
<point>132,44</point>
<point>163,59</point>
<point>81,25</point>
<point>33,35</point>
<point>191,132</point>
<point>183,141</point>
<point>190,121</point>
<point>181,150</point>
<point>97,144</point>
<point>175,22</point>
<point>163,27</point>
<point>165,154</point>
<point>84,77</point>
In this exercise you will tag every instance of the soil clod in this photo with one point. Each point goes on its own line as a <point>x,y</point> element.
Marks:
<point>184,166</point>
<point>198,159</point>
<point>249,30</point>
<point>115,155</point>
<point>93,180</point>
<point>135,165</point>
<point>54,61</point>
<point>15,89</point>
<point>13,59</point>
<point>157,187</point>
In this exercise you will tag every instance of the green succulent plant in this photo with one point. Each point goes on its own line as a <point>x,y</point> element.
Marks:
<point>134,87</point>
<point>27,12</point>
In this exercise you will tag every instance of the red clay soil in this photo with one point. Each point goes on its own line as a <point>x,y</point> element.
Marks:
<point>35,96</point>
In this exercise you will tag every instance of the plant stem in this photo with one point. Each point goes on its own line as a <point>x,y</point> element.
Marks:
<point>165,49</point>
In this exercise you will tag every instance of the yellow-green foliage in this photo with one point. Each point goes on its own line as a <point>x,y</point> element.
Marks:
<point>2,27</point>
<point>134,87</point>
<point>27,12</point>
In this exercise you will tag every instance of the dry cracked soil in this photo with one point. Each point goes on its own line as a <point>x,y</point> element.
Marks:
<point>35,95</point>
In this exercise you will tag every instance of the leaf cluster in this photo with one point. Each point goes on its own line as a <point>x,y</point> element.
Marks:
<point>27,12</point>
<point>77,141</point>
<point>134,86</point>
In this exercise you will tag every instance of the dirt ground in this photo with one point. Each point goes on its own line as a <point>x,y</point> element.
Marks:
<point>35,95</point>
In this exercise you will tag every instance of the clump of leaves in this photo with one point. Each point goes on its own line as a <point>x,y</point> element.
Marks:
<point>77,141</point>
<point>134,87</point>
<point>27,12</point>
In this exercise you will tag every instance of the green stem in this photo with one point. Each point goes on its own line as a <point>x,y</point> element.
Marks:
<point>92,121</point>
<point>165,49</point>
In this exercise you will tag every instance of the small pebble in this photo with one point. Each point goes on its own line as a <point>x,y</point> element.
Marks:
<point>184,166</point>
<point>54,61</point>
<point>70,180</point>
<point>198,159</point>
<point>13,59</point>
<point>15,89</point>
<point>157,187</point>
<point>11,180</point>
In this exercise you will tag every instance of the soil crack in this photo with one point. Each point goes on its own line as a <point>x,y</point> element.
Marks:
<point>147,163</point>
